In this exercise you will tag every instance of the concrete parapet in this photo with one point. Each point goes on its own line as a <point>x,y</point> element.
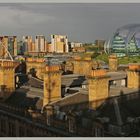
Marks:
<point>113,62</point>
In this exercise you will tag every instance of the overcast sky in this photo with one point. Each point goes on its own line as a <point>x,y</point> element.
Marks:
<point>81,22</point>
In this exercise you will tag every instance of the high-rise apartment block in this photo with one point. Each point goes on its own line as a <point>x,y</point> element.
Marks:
<point>40,43</point>
<point>75,44</point>
<point>100,43</point>
<point>49,47</point>
<point>33,47</point>
<point>29,46</point>
<point>20,48</point>
<point>12,44</point>
<point>59,43</point>
<point>76,47</point>
<point>27,43</point>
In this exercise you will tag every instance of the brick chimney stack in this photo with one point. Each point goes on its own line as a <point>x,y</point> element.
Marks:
<point>133,76</point>
<point>113,62</point>
<point>52,84</point>
<point>98,87</point>
<point>7,74</point>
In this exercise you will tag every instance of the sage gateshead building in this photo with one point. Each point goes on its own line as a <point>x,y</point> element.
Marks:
<point>125,41</point>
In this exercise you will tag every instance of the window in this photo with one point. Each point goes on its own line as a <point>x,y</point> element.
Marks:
<point>62,39</point>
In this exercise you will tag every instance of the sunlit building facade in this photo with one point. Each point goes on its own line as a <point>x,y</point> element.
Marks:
<point>40,43</point>
<point>59,44</point>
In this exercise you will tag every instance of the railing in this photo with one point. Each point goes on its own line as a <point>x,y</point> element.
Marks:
<point>12,109</point>
<point>60,124</point>
<point>83,131</point>
<point>5,92</point>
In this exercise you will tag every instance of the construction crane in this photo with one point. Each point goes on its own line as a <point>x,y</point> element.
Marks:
<point>3,46</point>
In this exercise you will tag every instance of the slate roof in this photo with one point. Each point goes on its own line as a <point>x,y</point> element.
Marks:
<point>25,98</point>
<point>117,75</point>
<point>128,107</point>
<point>122,104</point>
<point>72,102</point>
<point>71,80</point>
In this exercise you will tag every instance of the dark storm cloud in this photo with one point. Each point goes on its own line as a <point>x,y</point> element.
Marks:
<point>81,22</point>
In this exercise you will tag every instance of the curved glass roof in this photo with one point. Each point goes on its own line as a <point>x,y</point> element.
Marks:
<point>126,40</point>
<point>128,31</point>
